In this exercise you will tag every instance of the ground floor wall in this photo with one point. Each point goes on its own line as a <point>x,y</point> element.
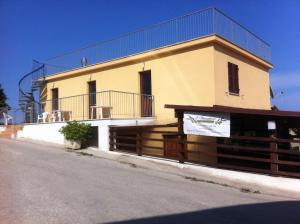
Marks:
<point>49,132</point>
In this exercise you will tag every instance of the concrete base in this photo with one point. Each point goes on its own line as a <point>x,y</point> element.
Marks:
<point>49,132</point>
<point>75,145</point>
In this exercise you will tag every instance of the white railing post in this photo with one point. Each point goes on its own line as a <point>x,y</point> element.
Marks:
<point>133,105</point>
<point>109,92</point>
<point>82,107</point>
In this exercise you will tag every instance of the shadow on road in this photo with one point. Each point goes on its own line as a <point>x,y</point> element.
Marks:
<point>276,212</point>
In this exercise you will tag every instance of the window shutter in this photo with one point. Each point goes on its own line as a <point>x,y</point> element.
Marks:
<point>236,79</point>
<point>230,77</point>
<point>233,78</point>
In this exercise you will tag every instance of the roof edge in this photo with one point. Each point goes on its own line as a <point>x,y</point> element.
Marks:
<point>234,110</point>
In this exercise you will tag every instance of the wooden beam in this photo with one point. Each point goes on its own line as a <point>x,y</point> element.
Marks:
<point>274,155</point>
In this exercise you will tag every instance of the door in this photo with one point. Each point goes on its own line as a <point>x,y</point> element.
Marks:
<point>146,93</point>
<point>171,146</point>
<point>55,99</point>
<point>92,99</point>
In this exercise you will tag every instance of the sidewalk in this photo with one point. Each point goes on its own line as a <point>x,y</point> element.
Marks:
<point>246,182</point>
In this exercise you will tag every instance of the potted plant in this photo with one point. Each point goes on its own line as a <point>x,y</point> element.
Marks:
<point>75,134</point>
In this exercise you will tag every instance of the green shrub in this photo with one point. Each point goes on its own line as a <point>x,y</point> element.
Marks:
<point>76,131</point>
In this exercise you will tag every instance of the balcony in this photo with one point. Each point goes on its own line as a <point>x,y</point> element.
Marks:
<point>101,105</point>
<point>181,29</point>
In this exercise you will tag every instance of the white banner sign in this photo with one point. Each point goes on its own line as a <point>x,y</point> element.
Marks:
<point>207,124</point>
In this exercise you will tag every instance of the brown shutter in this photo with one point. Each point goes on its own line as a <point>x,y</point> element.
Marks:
<point>236,79</point>
<point>230,77</point>
<point>233,78</point>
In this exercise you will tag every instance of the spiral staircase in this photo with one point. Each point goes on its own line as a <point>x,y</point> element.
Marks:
<point>29,92</point>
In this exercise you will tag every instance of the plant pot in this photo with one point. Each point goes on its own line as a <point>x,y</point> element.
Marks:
<point>71,144</point>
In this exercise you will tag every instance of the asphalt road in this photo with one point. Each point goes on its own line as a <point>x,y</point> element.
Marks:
<point>46,184</point>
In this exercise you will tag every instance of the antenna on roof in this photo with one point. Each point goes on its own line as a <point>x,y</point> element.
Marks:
<point>278,94</point>
<point>84,62</point>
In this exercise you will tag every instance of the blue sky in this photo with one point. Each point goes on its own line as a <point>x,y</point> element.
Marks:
<point>42,29</point>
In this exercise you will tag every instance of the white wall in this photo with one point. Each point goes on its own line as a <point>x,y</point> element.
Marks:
<point>2,128</point>
<point>44,132</point>
<point>49,132</point>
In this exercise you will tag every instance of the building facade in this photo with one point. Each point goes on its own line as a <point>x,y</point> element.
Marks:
<point>204,58</point>
<point>204,72</point>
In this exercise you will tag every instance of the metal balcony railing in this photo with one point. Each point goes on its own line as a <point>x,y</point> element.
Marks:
<point>101,105</point>
<point>181,29</point>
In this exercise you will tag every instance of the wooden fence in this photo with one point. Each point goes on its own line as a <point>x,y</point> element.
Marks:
<point>271,156</point>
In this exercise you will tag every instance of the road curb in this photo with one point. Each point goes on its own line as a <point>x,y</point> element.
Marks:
<point>246,182</point>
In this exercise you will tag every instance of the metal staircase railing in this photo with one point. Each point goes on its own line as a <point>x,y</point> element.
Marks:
<point>29,86</point>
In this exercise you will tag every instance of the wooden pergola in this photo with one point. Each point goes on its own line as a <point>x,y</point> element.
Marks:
<point>256,121</point>
<point>283,119</point>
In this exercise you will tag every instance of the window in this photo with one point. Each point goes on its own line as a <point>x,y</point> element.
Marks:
<point>233,78</point>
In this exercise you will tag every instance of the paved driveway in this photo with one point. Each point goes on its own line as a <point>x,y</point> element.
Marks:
<point>45,184</point>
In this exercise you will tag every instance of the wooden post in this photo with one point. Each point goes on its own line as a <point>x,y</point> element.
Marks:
<point>112,137</point>
<point>139,142</point>
<point>274,155</point>
<point>181,137</point>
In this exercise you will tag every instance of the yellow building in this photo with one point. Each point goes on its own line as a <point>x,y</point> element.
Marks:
<point>202,59</point>
<point>196,73</point>
<point>211,70</point>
